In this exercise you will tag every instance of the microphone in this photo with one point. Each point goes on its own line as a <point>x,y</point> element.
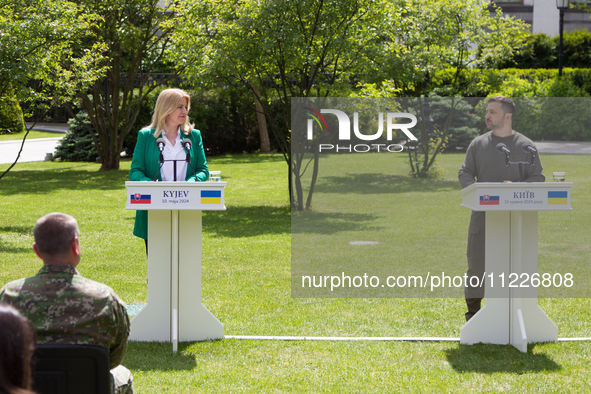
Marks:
<point>186,143</point>
<point>532,150</point>
<point>160,144</point>
<point>503,148</point>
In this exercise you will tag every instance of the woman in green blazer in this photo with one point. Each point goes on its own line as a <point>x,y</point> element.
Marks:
<point>170,121</point>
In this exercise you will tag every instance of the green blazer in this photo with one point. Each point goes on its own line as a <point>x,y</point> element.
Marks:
<point>145,165</point>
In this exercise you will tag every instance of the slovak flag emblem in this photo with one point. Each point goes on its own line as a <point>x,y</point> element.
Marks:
<point>139,198</point>
<point>489,200</point>
<point>486,197</point>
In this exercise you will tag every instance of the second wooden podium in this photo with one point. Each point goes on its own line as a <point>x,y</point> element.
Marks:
<point>511,314</point>
<point>174,311</point>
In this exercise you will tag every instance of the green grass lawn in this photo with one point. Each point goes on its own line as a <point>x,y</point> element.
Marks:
<point>33,134</point>
<point>247,285</point>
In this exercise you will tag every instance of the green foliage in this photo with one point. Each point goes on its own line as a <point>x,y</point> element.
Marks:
<point>226,119</point>
<point>133,33</point>
<point>37,44</point>
<point>541,51</point>
<point>512,82</point>
<point>422,37</point>
<point>536,51</point>
<point>465,125</point>
<point>39,56</point>
<point>77,145</point>
<point>548,108</point>
<point>576,50</point>
<point>279,50</point>
<point>11,114</point>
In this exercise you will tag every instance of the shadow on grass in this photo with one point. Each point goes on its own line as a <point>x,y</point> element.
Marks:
<point>250,221</point>
<point>372,183</point>
<point>21,230</point>
<point>331,223</point>
<point>486,358</point>
<point>40,182</point>
<point>7,249</point>
<point>150,356</point>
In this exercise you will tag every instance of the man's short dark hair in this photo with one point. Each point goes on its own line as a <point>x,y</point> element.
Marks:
<point>507,105</point>
<point>54,233</point>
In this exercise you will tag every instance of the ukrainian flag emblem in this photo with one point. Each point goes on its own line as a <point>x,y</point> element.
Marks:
<point>558,198</point>
<point>209,197</point>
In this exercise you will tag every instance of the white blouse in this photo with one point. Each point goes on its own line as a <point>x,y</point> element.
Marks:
<point>170,153</point>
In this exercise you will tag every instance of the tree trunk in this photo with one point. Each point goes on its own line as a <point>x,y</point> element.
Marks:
<point>262,122</point>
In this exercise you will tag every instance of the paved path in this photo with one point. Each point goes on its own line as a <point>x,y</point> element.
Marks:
<point>571,148</point>
<point>51,127</point>
<point>34,150</point>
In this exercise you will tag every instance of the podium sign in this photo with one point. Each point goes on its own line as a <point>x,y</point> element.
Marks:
<point>174,311</point>
<point>511,314</point>
<point>175,195</point>
<point>521,196</point>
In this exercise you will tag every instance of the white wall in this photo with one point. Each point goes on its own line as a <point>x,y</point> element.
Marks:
<point>546,17</point>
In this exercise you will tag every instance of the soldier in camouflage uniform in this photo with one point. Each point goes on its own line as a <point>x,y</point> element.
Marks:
<point>66,308</point>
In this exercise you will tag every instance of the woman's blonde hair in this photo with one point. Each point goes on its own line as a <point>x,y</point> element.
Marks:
<point>166,104</point>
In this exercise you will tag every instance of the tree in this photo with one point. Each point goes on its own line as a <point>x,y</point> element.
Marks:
<point>429,35</point>
<point>279,50</point>
<point>37,55</point>
<point>135,36</point>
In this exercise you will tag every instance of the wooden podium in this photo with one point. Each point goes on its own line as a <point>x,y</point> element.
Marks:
<point>511,314</point>
<point>174,311</point>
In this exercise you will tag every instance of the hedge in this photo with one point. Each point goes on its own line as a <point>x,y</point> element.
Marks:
<point>541,51</point>
<point>548,108</point>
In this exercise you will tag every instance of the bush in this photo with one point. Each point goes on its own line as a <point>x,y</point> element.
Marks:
<point>77,145</point>
<point>541,51</point>
<point>465,125</point>
<point>536,51</point>
<point>576,49</point>
<point>11,114</point>
<point>548,108</point>
<point>515,82</point>
<point>227,120</point>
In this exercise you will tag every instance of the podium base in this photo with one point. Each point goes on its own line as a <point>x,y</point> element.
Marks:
<point>200,325</point>
<point>504,321</point>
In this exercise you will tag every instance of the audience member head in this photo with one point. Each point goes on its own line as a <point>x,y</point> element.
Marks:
<point>17,345</point>
<point>57,239</point>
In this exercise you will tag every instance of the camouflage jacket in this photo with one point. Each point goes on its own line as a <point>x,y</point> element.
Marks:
<point>66,308</point>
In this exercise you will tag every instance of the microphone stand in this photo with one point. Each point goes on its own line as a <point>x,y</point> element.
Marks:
<point>174,167</point>
<point>521,164</point>
<point>161,161</point>
<point>187,159</point>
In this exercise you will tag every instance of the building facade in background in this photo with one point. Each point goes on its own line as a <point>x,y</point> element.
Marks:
<point>543,16</point>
